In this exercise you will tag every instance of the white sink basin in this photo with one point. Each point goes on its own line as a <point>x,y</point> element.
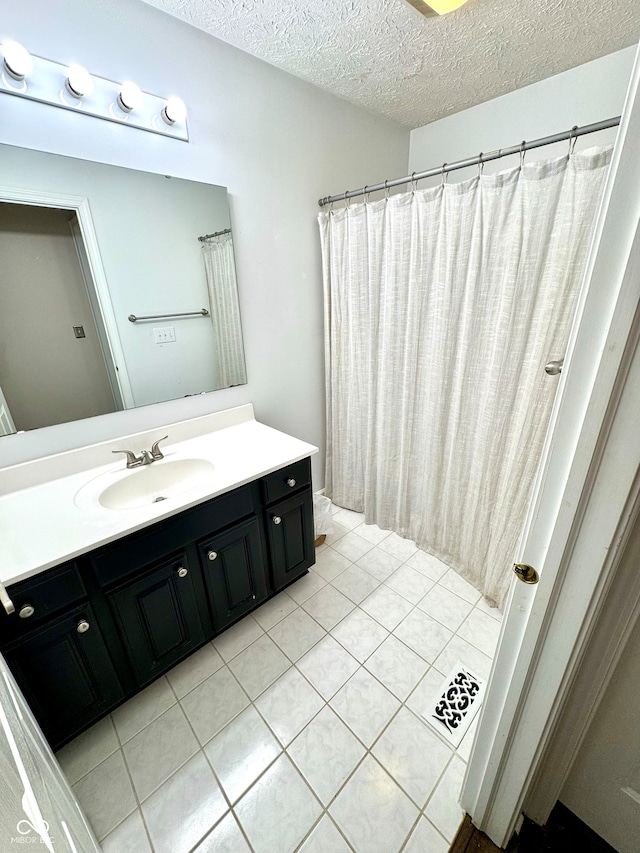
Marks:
<point>149,484</point>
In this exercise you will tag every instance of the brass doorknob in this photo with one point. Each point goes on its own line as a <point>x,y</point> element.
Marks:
<point>525,573</point>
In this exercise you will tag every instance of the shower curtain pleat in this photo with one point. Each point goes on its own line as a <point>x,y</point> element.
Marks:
<point>441,309</point>
<point>225,310</point>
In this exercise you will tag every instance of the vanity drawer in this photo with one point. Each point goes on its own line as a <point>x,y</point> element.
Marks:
<point>41,597</point>
<point>285,481</point>
<point>114,562</point>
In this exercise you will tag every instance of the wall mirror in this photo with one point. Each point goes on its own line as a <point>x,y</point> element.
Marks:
<point>110,298</point>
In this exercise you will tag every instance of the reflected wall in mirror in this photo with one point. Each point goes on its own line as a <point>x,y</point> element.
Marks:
<point>84,247</point>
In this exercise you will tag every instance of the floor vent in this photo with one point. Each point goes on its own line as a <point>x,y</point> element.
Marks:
<point>455,704</point>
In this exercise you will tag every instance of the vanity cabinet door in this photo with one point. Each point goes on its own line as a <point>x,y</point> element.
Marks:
<point>158,617</point>
<point>234,572</point>
<point>290,533</point>
<point>66,674</point>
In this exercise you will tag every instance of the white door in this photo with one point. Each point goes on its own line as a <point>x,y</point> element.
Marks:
<point>544,624</point>
<point>39,808</point>
<point>603,788</point>
<point>7,425</point>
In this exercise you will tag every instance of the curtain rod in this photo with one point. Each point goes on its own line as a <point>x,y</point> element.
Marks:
<point>482,158</point>
<point>215,234</point>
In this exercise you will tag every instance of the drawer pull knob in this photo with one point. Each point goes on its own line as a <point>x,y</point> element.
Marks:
<point>182,572</point>
<point>83,626</point>
<point>276,519</point>
<point>291,482</point>
<point>212,555</point>
<point>26,610</point>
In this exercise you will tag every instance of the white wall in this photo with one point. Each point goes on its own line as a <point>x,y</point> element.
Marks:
<point>583,95</point>
<point>276,142</point>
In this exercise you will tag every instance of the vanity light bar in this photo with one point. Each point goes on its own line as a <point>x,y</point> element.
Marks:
<point>74,88</point>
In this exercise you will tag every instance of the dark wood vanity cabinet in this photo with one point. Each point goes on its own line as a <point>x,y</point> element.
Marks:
<point>66,674</point>
<point>290,532</point>
<point>93,632</point>
<point>158,619</point>
<point>234,572</point>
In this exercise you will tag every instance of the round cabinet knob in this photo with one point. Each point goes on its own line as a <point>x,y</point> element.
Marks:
<point>182,572</point>
<point>83,626</point>
<point>276,519</point>
<point>212,555</point>
<point>291,482</point>
<point>25,611</point>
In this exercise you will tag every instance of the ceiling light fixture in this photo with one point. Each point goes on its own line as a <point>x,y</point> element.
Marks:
<point>130,97</point>
<point>17,60</point>
<point>174,111</point>
<point>440,7</point>
<point>78,82</point>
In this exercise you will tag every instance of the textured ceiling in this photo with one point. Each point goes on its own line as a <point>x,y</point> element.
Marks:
<point>387,57</point>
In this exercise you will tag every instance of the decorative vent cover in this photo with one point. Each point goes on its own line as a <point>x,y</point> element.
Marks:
<point>456,704</point>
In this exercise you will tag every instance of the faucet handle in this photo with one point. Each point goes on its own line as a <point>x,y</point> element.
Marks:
<point>156,453</point>
<point>132,460</point>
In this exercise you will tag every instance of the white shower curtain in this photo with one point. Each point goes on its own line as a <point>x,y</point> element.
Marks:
<point>225,310</point>
<point>441,308</point>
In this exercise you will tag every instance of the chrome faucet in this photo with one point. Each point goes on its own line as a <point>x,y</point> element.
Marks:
<point>146,457</point>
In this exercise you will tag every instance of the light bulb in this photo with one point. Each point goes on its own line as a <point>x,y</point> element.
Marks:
<point>174,111</point>
<point>130,97</point>
<point>441,7</point>
<point>78,82</point>
<point>17,60</point>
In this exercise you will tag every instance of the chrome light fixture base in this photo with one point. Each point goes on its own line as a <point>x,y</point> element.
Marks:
<point>58,85</point>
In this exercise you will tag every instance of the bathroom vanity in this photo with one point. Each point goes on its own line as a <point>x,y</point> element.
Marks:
<point>129,591</point>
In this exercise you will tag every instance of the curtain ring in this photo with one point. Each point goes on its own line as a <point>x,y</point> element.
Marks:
<point>331,206</point>
<point>522,144</point>
<point>480,164</point>
<point>347,201</point>
<point>445,175</point>
<point>386,189</point>
<point>572,139</point>
<point>414,183</point>
<point>366,194</point>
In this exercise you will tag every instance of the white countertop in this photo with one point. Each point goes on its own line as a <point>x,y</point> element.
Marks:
<point>41,525</point>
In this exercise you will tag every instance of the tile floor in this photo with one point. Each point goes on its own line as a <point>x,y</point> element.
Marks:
<point>300,727</point>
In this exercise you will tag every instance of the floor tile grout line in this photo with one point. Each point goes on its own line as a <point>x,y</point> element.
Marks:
<point>293,664</point>
<point>417,606</point>
<point>173,772</point>
<point>157,681</point>
<point>410,833</point>
<point>284,751</point>
<point>405,561</point>
<point>215,775</point>
<point>227,799</point>
<point>326,703</point>
<point>126,764</point>
<point>325,813</point>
